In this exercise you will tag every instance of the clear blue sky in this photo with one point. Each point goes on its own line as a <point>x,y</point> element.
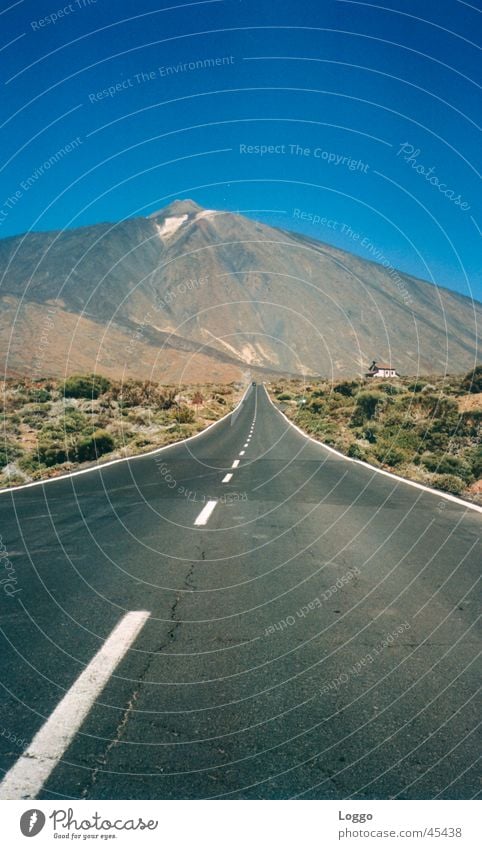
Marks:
<point>348,83</point>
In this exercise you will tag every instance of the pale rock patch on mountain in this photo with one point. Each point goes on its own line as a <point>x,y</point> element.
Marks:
<point>170,225</point>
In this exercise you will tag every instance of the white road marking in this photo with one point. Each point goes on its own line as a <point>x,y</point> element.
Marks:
<point>28,775</point>
<point>235,464</point>
<point>245,445</point>
<point>205,513</point>
<point>227,478</point>
<point>241,453</point>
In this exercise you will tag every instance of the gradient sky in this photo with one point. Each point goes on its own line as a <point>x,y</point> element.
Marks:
<point>346,81</point>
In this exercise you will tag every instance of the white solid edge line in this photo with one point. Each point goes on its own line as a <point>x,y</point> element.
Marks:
<point>235,464</point>
<point>205,513</point>
<point>28,775</point>
<point>123,459</point>
<point>227,478</point>
<point>392,475</point>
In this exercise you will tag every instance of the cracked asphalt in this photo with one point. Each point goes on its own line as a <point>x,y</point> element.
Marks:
<point>317,638</point>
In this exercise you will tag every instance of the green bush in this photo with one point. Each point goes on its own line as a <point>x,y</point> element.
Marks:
<point>390,388</point>
<point>34,414</point>
<point>417,386</point>
<point>449,483</point>
<point>370,434</point>
<point>34,422</point>
<point>92,447</point>
<point>356,451</point>
<point>40,396</point>
<point>284,396</point>
<point>346,387</point>
<point>391,455</point>
<point>85,386</point>
<point>73,421</point>
<point>316,406</point>
<point>184,415</point>
<point>29,463</point>
<point>472,381</point>
<point>367,406</point>
<point>470,423</point>
<point>447,464</point>
<point>54,451</point>
<point>8,453</point>
<point>475,460</point>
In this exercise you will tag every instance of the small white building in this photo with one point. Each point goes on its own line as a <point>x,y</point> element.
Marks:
<point>381,371</point>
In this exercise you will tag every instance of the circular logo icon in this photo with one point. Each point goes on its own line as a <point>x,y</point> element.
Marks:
<point>32,822</point>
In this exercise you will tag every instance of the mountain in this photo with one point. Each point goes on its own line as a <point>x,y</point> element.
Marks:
<point>191,294</point>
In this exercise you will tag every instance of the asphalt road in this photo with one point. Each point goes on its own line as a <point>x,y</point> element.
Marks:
<point>316,638</point>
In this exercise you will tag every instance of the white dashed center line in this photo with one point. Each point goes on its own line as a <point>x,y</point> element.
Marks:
<point>235,464</point>
<point>205,513</point>
<point>241,453</point>
<point>227,478</point>
<point>28,775</point>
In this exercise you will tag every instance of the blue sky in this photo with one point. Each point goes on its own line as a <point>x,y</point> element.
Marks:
<point>368,112</point>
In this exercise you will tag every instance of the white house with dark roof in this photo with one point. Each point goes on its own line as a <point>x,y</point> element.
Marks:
<point>381,371</point>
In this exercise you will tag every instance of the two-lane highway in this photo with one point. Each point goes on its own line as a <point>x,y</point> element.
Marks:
<point>242,615</point>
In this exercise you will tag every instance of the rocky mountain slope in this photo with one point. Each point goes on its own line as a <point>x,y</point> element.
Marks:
<point>190,294</point>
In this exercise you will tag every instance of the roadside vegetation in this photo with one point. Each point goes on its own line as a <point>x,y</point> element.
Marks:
<point>424,429</point>
<point>51,427</point>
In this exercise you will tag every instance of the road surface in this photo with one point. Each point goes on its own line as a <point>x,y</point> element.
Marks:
<point>290,625</point>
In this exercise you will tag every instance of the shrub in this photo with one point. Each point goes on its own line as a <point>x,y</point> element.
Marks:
<point>29,463</point>
<point>167,400</point>
<point>391,455</point>
<point>390,388</point>
<point>8,452</point>
<point>184,415</point>
<point>475,460</point>
<point>284,396</point>
<point>356,451</point>
<point>316,406</point>
<point>470,423</point>
<point>447,464</point>
<point>40,396</point>
<point>54,451</point>
<point>92,447</point>
<point>346,387</point>
<point>367,406</point>
<point>449,483</point>
<point>85,386</point>
<point>370,434</point>
<point>34,422</point>
<point>73,421</point>
<point>33,414</point>
<point>417,386</point>
<point>472,381</point>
